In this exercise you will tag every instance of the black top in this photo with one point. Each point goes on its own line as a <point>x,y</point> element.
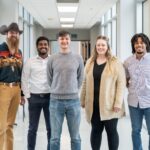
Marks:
<point>10,65</point>
<point>97,73</point>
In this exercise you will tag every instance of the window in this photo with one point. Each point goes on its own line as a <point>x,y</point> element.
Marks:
<point>114,11</point>
<point>114,37</point>
<point>109,27</point>
<point>26,23</point>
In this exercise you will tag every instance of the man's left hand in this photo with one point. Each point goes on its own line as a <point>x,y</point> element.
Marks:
<point>22,101</point>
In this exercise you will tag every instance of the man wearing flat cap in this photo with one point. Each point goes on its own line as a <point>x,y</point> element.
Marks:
<point>10,76</point>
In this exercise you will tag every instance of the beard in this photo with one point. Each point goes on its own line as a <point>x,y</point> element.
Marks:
<point>13,44</point>
<point>140,53</point>
<point>44,52</point>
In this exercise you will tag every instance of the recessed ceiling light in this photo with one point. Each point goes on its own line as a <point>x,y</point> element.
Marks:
<point>67,25</point>
<point>67,8</point>
<point>67,19</point>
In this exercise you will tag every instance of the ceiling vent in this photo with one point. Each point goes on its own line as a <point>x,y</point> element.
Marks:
<point>67,1</point>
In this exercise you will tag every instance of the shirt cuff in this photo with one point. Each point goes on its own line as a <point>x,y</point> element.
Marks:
<point>27,96</point>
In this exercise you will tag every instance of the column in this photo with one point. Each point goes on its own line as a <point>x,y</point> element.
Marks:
<point>126,27</point>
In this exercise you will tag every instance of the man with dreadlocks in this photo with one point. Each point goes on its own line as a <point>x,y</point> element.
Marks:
<point>137,69</point>
<point>10,74</point>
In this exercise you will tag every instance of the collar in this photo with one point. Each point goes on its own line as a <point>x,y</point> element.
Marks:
<point>38,57</point>
<point>143,57</point>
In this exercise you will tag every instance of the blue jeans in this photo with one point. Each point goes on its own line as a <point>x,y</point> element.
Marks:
<point>137,115</point>
<point>37,103</point>
<point>58,110</point>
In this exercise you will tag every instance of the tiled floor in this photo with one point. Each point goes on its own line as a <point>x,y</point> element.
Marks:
<point>124,130</point>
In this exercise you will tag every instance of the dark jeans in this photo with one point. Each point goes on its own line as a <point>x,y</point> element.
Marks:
<point>97,129</point>
<point>37,102</point>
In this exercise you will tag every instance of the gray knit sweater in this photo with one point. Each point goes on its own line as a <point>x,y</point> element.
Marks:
<point>65,75</point>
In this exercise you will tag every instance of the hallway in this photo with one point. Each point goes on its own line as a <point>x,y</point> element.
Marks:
<point>85,20</point>
<point>123,128</point>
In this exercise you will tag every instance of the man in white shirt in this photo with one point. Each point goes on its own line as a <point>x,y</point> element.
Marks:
<point>36,89</point>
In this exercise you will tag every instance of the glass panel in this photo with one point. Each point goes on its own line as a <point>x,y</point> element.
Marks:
<point>31,20</point>
<point>109,32</point>
<point>114,11</point>
<point>102,31</point>
<point>20,22</point>
<point>114,37</point>
<point>25,15</point>
<point>20,11</point>
<point>108,15</point>
<point>102,20</point>
<point>26,42</point>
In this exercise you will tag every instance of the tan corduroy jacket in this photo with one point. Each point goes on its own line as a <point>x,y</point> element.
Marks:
<point>112,87</point>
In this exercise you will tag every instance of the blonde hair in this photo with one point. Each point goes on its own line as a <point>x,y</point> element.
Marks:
<point>108,53</point>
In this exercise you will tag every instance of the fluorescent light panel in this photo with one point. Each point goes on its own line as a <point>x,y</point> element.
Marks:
<point>67,1</point>
<point>67,25</point>
<point>67,19</point>
<point>67,8</point>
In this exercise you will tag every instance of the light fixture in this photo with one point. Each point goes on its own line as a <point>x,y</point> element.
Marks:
<point>67,8</point>
<point>67,19</point>
<point>66,25</point>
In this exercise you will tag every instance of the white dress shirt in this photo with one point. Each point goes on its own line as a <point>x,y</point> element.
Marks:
<point>34,76</point>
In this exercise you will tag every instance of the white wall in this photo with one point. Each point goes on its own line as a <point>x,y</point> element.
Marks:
<point>126,27</point>
<point>146,18</point>
<point>94,32</point>
<point>37,31</point>
<point>82,34</point>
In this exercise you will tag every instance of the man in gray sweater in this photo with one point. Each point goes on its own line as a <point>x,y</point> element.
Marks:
<point>65,74</point>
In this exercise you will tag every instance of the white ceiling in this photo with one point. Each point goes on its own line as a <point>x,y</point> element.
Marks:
<point>46,13</point>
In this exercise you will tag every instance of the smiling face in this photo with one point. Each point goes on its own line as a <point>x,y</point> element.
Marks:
<point>101,47</point>
<point>140,47</point>
<point>64,42</point>
<point>42,47</point>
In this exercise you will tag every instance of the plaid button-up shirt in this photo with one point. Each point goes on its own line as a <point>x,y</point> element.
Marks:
<point>138,72</point>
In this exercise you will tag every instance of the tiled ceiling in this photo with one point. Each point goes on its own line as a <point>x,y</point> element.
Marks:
<point>46,12</point>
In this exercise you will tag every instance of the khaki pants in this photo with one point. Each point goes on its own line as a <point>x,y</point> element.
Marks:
<point>9,102</point>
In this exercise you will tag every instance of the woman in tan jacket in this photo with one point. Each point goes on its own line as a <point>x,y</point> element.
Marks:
<point>102,94</point>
